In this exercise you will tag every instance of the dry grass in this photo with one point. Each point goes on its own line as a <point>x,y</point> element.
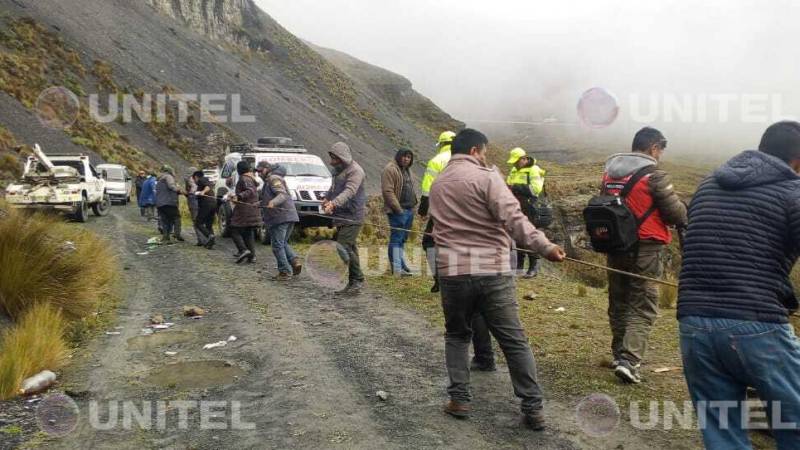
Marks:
<point>36,343</point>
<point>47,261</point>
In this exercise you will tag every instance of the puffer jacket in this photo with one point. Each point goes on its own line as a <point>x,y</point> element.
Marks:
<point>276,193</point>
<point>347,192</point>
<point>653,190</point>
<point>248,214</point>
<point>742,242</point>
<point>148,195</point>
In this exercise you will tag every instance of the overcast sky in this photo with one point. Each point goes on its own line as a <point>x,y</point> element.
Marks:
<point>526,60</point>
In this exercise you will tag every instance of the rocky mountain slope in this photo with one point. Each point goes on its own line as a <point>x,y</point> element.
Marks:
<point>197,47</point>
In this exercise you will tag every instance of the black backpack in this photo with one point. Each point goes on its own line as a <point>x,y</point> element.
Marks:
<point>611,225</point>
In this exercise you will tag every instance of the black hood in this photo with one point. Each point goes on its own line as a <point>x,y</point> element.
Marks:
<point>753,168</point>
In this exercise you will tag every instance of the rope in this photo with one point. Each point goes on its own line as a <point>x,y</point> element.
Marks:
<point>388,227</point>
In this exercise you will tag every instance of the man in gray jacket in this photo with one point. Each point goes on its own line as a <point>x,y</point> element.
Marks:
<point>167,202</point>
<point>279,215</point>
<point>347,201</point>
<point>476,221</point>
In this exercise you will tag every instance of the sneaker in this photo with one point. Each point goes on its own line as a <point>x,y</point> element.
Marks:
<point>457,409</point>
<point>211,241</point>
<point>482,366</point>
<point>297,267</point>
<point>627,372</point>
<point>534,420</point>
<point>242,256</point>
<point>531,274</point>
<point>435,287</point>
<point>282,276</point>
<point>179,238</point>
<point>614,364</point>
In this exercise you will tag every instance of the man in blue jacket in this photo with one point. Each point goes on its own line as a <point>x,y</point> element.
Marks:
<point>735,295</point>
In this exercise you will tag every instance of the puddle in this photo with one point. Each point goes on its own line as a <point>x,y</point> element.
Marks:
<point>158,340</point>
<point>194,374</point>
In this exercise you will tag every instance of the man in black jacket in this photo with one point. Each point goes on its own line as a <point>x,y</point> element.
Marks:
<point>735,295</point>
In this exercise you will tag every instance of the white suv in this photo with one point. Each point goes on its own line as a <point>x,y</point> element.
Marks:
<point>307,177</point>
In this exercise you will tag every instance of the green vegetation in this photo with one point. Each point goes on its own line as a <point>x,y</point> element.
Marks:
<point>56,285</point>
<point>36,343</point>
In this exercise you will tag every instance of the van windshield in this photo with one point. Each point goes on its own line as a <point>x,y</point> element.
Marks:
<point>299,169</point>
<point>115,174</point>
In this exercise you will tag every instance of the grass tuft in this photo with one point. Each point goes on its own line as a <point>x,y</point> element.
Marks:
<point>36,343</point>
<point>45,260</point>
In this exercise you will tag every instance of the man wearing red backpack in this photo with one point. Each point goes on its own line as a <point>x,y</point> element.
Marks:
<point>649,195</point>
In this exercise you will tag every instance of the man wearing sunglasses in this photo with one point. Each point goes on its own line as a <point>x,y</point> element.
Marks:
<point>632,302</point>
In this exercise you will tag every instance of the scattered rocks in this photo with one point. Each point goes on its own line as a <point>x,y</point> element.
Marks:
<point>530,296</point>
<point>157,319</point>
<point>193,311</point>
<point>382,395</point>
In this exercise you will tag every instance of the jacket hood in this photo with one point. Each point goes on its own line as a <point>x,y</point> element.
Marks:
<point>342,151</point>
<point>753,168</point>
<point>278,170</point>
<point>623,164</point>
<point>403,152</point>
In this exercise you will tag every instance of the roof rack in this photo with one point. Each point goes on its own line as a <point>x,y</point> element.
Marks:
<point>262,148</point>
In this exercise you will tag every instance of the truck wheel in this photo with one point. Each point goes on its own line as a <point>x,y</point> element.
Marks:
<point>82,211</point>
<point>102,207</point>
<point>224,214</point>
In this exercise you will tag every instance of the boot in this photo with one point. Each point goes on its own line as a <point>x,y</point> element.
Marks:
<point>435,287</point>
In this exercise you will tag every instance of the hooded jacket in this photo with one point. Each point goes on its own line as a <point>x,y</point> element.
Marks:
<point>392,181</point>
<point>742,241</point>
<point>246,212</point>
<point>653,190</point>
<point>276,193</point>
<point>347,191</point>
<point>148,195</point>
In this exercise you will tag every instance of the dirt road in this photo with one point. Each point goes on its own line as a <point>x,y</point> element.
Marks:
<point>304,368</point>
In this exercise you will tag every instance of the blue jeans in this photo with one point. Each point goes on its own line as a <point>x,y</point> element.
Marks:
<point>400,224</point>
<point>279,240</point>
<point>722,358</point>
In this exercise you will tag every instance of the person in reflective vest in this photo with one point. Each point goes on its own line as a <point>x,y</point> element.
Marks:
<point>526,181</point>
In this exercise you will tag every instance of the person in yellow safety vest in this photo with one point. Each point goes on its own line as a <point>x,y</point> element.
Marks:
<point>526,181</point>
<point>435,166</point>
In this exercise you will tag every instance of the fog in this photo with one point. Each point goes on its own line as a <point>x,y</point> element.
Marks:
<point>711,75</point>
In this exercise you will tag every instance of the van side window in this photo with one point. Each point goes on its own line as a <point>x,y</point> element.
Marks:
<point>227,170</point>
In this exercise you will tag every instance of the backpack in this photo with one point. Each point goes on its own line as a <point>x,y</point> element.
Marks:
<point>611,225</point>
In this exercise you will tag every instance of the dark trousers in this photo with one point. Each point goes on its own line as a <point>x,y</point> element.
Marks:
<point>482,341</point>
<point>347,238</point>
<point>244,238</point>
<point>533,259</point>
<point>204,224</point>
<point>494,298</point>
<point>167,216</point>
<point>633,303</point>
<point>722,358</point>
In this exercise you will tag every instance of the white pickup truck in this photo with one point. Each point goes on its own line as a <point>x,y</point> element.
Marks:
<point>60,182</point>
